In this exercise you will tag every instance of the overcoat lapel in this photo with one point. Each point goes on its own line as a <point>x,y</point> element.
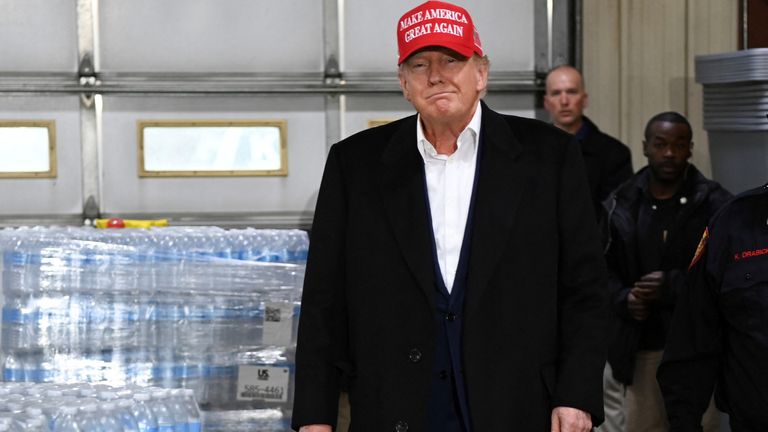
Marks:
<point>502,183</point>
<point>401,184</point>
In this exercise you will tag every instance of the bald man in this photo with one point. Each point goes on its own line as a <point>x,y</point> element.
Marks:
<point>608,164</point>
<point>607,160</point>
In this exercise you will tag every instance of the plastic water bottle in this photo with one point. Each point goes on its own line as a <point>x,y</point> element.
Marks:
<point>53,408</point>
<point>70,390</point>
<point>10,426</point>
<point>45,369</point>
<point>178,410</point>
<point>223,244</point>
<point>241,245</point>
<point>87,416</point>
<point>194,423</point>
<point>39,421</point>
<point>14,406</point>
<point>271,243</point>
<point>188,373</point>
<point>165,418</point>
<point>145,293</point>
<point>13,369</point>
<point>226,322</point>
<point>219,386</point>
<point>108,418</point>
<point>35,424</point>
<point>13,318</point>
<point>88,392</point>
<point>125,416</point>
<point>145,417</point>
<point>121,411</point>
<point>106,395</point>
<point>250,332</point>
<point>66,421</point>
<point>17,269</point>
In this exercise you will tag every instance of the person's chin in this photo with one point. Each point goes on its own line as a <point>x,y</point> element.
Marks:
<point>443,102</point>
<point>669,176</point>
<point>444,105</point>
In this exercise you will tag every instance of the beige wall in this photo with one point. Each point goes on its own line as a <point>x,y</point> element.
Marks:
<point>639,61</point>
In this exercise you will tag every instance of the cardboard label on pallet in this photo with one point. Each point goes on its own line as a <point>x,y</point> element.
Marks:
<point>267,383</point>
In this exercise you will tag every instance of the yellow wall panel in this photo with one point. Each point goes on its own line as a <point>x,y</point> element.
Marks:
<point>601,63</point>
<point>638,61</point>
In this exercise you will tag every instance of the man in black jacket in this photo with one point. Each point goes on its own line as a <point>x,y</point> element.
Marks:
<point>608,164</point>
<point>719,335</point>
<point>607,160</point>
<point>655,220</point>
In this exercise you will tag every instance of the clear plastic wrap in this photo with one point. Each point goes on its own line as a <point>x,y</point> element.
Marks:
<point>170,307</point>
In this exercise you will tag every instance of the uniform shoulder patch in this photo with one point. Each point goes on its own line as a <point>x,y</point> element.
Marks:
<point>700,248</point>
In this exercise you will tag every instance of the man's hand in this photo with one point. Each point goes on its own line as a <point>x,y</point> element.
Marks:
<point>316,428</point>
<point>645,291</point>
<point>648,288</point>
<point>638,309</point>
<point>565,419</point>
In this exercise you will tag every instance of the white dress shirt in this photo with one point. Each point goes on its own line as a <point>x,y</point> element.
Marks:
<point>449,187</point>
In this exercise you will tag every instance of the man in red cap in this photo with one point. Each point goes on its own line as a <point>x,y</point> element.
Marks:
<point>455,277</point>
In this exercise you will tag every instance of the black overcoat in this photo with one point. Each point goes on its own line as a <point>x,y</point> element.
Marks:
<point>535,309</point>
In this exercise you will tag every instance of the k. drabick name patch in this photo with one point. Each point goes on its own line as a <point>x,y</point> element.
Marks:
<point>750,254</point>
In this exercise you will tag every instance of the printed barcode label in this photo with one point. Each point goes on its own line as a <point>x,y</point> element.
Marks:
<point>278,323</point>
<point>267,383</point>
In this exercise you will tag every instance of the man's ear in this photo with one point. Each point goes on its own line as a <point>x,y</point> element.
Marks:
<point>403,82</point>
<point>482,76</point>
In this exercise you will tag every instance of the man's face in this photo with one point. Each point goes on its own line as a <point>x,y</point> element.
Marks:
<point>668,148</point>
<point>443,86</point>
<point>565,98</point>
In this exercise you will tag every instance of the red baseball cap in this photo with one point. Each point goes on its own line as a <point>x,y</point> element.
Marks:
<point>437,23</point>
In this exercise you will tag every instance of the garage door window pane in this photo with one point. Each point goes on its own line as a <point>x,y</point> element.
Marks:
<point>27,149</point>
<point>180,149</point>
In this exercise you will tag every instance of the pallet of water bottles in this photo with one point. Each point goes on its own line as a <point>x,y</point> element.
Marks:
<point>202,308</point>
<point>31,407</point>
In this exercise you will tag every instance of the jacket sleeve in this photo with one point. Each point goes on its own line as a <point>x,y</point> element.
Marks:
<point>674,284</point>
<point>321,352</point>
<point>582,300</point>
<point>689,370</point>
<point>616,263</point>
<point>618,168</point>
<point>625,330</point>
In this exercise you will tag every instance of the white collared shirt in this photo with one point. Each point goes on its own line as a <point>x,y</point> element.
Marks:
<point>449,186</point>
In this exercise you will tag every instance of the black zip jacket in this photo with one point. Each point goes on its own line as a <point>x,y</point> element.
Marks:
<point>699,199</point>
<point>719,336</point>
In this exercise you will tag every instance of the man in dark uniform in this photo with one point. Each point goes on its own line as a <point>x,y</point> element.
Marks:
<point>719,336</point>
<point>655,221</point>
<point>607,160</point>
